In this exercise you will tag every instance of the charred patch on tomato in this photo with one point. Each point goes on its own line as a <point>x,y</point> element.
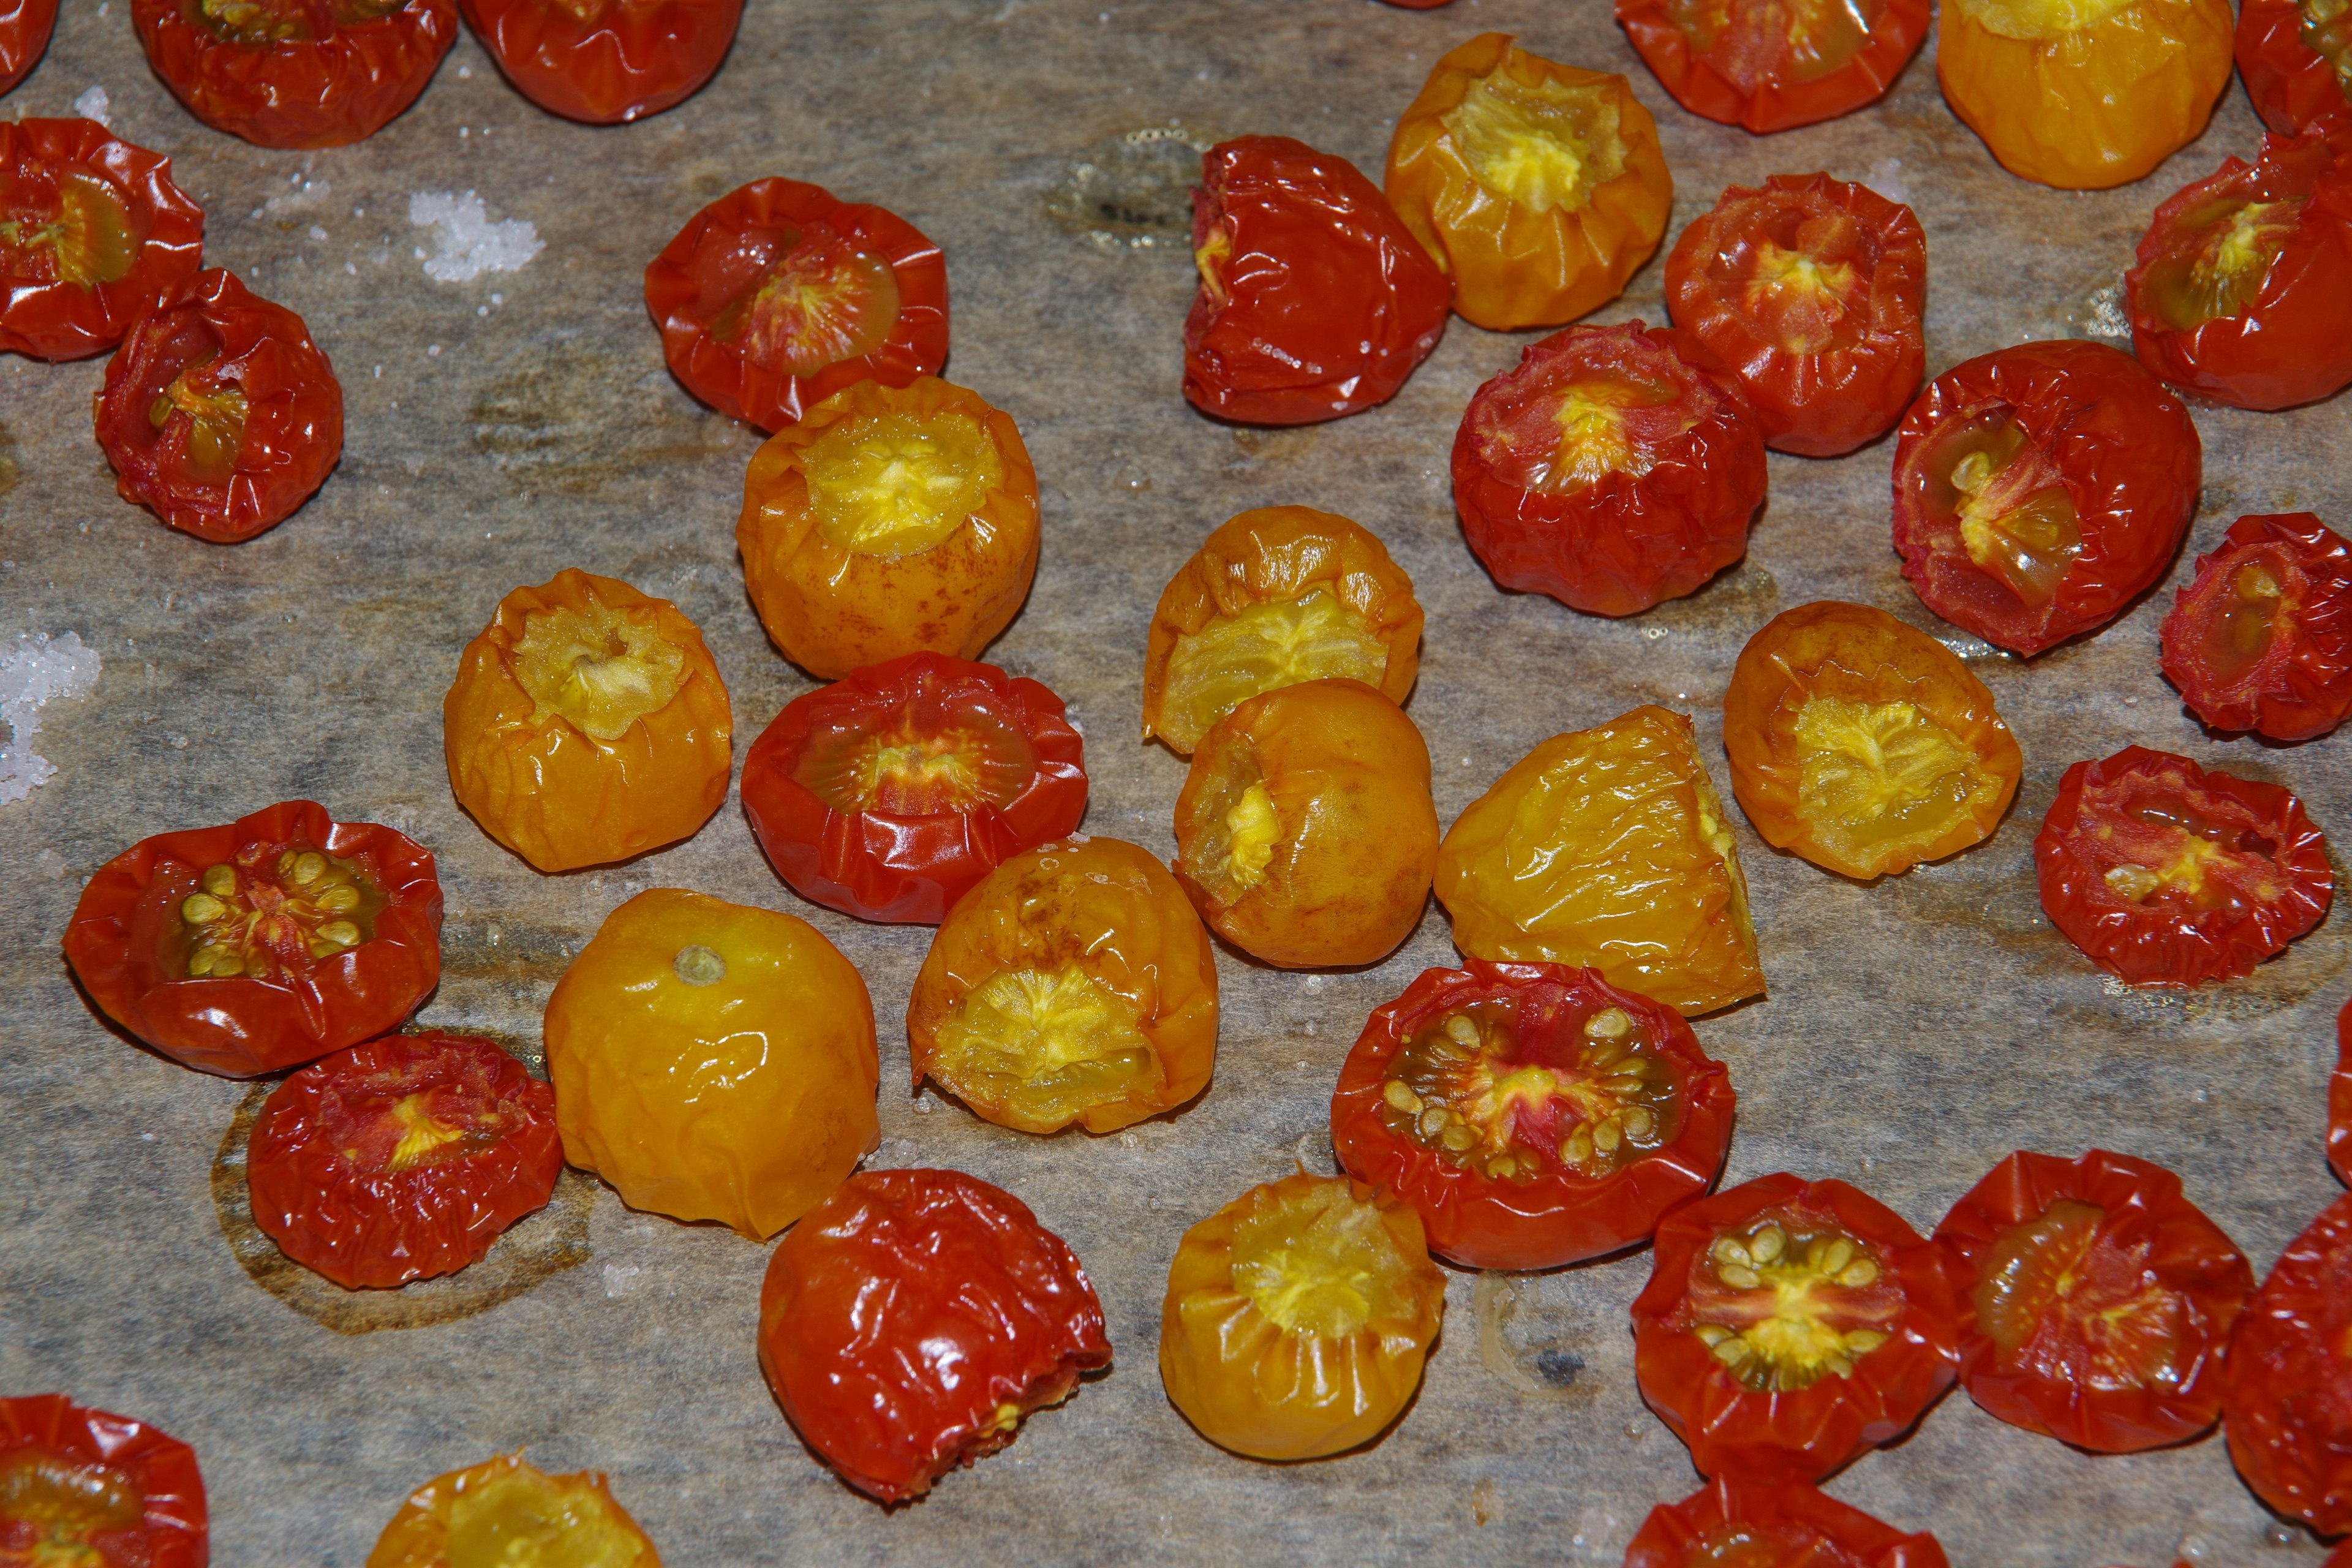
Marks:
<point>600,667</point>
<point>825,299</point>
<point>899,483</point>
<point>1541,145</point>
<point>274,910</point>
<point>1784,1302</point>
<point>1046,1043</point>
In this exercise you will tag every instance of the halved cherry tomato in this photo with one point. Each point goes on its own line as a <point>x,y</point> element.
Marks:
<point>1315,300</point>
<point>913,1319</point>
<point>1789,1327</point>
<point>1772,65</point>
<point>1532,1114</point>
<point>889,794</point>
<point>778,295</point>
<point>2339,1101</point>
<point>25,30</point>
<point>1781,1524</point>
<point>402,1159</point>
<point>1811,291</point>
<point>2286,1395</point>
<point>1612,467</point>
<point>2039,489</point>
<point>606,61</point>
<point>2262,639</point>
<point>83,1486</point>
<point>259,946</point>
<point>2296,58</point>
<point>505,1510</point>
<point>2165,874</point>
<point>2098,1300</point>
<point>219,413</point>
<point>93,233</point>
<point>296,73</point>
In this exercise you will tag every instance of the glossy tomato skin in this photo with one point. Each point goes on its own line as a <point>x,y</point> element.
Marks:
<point>25,30</point>
<point>285,1007</point>
<point>97,1488</point>
<point>347,69</point>
<point>2261,639</point>
<point>480,1513</point>
<point>1827,367</point>
<point>2286,1398</point>
<point>2117,829</point>
<point>1743,76</point>
<point>2096,427</point>
<point>2291,83</point>
<point>609,63</point>
<point>911,1321</point>
<point>133,237</point>
<point>402,1159</point>
<point>1779,1524</point>
<point>2339,1101</point>
<point>885,859</point>
<point>1315,300</point>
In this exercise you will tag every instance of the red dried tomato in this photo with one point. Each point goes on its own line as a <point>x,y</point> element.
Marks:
<point>2165,874</point>
<point>1811,291</point>
<point>1781,1524</point>
<point>2339,1101</point>
<point>2296,57</point>
<point>2262,639</point>
<point>83,1486</point>
<point>777,295</point>
<point>2099,1300</point>
<point>2287,1385</point>
<point>910,1322</point>
<point>1790,1326</point>
<point>25,30</point>
<point>402,1159</point>
<point>1613,466</point>
<point>296,73</point>
<point>1530,1113</point>
<point>1314,298</point>
<point>1770,65</point>
<point>2040,489</point>
<point>93,234</point>
<point>606,61</point>
<point>261,946</point>
<point>891,793</point>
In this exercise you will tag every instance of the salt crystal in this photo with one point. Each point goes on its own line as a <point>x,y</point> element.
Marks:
<point>1886,179</point>
<point>38,669</point>
<point>93,105</point>
<point>467,241</point>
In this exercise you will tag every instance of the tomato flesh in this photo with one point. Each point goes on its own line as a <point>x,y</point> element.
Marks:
<point>1544,146</point>
<point>1322,1263</point>
<point>1262,646</point>
<point>921,764</point>
<point>2262,639</point>
<point>1754,42</point>
<point>1584,418</point>
<point>2327,28</point>
<point>896,483</point>
<point>1047,1045</point>
<point>823,300</point>
<point>1787,1301</point>
<point>2068,1303</point>
<point>269,914</point>
<point>598,665</point>
<point>55,1509</point>
<point>87,237</point>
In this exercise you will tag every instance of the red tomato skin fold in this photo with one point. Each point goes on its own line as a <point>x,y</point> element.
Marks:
<point>1802,1525</point>
<point>2301,686</point>
<point>883,866</point>
<point>1701,86</point>
<point>1322,302</point>
<point>2286,1400</point>
<point>2339,1101</point>
<point>618,64</point>
<point>323,91</point>
<point>45,316</point>
<point>2291,83</point>
<point>174,1526</point>
<point>25,30</point>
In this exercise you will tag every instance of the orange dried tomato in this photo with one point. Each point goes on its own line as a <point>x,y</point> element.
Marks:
<point>25,30</point>
<point>2296,58</point>
<point>2286,1387</point>
<point>1772,65</point>
<point>82,1487</point>
<point>506,1510</point>
<point>606,62</point>
<point>2261,639</point>
<point>1779,1524</point>
<point>1538,187</point>
<point>587,723</point>
<point>93,234</point>
<point>296,73</point>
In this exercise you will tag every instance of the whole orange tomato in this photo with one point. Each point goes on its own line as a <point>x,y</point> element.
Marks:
<point>506,1510</point>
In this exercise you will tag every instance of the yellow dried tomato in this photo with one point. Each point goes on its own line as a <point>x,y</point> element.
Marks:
<point>587,724</point>
<point>507,1512</point>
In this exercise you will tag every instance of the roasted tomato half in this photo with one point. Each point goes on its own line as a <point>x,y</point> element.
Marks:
<point>2339,1101</point>
<point>889,794</point>
<point>402,1159</point>
<point>2165,874</point>
<point>1811,291</point>
<point>2286,1387</point>
<point>2098,1300</point>
<point>1790,1327</point>
<point>83,1486</point>
<point>25,30</point>
<point>2296,58</point>
<point>2262,639</point>
<point>776,296</point>
<point>1531,1114</point>
<point>2039,489</point>
<point>1315,300</point>
<point>1538,187</point>
<point>606,61</point>
<point>506,1510</point>
<point>259,946</point>
<point>1779,1524</point>
<point>1772,64</point>
<point>296,73</point>
<point>713,1061</point>
<point>93,233</point>
<point>914,1318</point>
<point>1276,596</point>
<point>1297,1318</point>
<point>1612,467</point>
<point>1862,745</point>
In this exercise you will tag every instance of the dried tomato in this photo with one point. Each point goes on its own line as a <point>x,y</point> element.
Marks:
<point>1314,298</point>
<point>83,1486</point>
<point>713,1061</point>
<point>778,295</point>
<point>296,73</point>
<point>506,1510</point>
<point>93,233</point>
<point>1531,1114</point>
<point>1074,983</point>
<point>1607,847</point>
<point>1538,187</point>
<point>2287,1385</point>
<point>890,795</point>
<point>588,724</point>
<point>25,30</point>
<point>1811,291</point>
<point>402,1159</point>
<point>2296,58</point>
<point>1789,1327</point>
<point>2098,1300</point>
<point>1772,65</point>
<point>606,61</point>
<point>2165,874</point>
<point>1862,745</point>
<point>1781,1524</point>
<point>259,946</point>
<point>2040,489</point>
<point>914,1318</point>
<point>1297,1318</point>
<point>2339,1099</point>
<point>2262,639</point>
<point>889,521</point>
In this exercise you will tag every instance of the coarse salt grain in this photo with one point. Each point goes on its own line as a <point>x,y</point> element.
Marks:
<point>467,241</point>
<point>39,669</point>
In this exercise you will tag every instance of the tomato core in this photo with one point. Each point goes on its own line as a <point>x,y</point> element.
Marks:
<point>2156,845</point>
<point>898,484</point>
<point>1755,42</point>
<point>1877,774</point>
<point>87,237</point>
<point>58,1512</point>
<point>243,920</point>
<point>521,1519</point>
<point>1276,643</point>
<point>387,1121</point>
<point>919,763</point>
<point>1047,1045</point>
<point>215,418</point>
<point>2005,495</point>
<point>2054,1282</point>
<point>2243,621</point>
<point>1240,828</point>
<point>1321,1263</point>
<point>822,302</point>
<point>1785,1303</point>
<point>1209,257</point>
<point>1543,147</point>
<point>2219,259</point>
<point>2033,19</point>
<point>598,668</point>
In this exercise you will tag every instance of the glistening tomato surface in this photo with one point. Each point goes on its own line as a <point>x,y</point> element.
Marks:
<point>1781,1524</point>
<point>1770,65</point>
<point>296,73</point>
<point>93,233</point>
<point>606,61</point>
<point>2286,1399</point>
<point>2339,1099</point>
<point>2296,58</point>
<point>2262,639</point>
<point>80,1486</point>
<point>1531,1114</point>
<point>25,30</point>
<point>506,1511</point>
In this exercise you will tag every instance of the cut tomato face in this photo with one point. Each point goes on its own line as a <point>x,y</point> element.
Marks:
<point>2262,639</point>
<point>296,73</point>
<point>2286,1400</point>
<point>1770,65</point>
<point>506,1510</point>
<point>93,233</point>
<point>606,62</point>
<point>1782,1524</point>
<point>81,1487</point>
<point>2296,58</point>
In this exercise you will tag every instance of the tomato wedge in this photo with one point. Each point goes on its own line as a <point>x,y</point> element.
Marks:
<point>1782,1524</point>
<point>2286,1395</point>
<point>93,233</point>
<point>2262,639</point>
<point>81,1487</point>
<point>25,30</point>
<point>1773,65</point>
<point>296,73</point>
<point>2296,58</point>
<point>606,62</point>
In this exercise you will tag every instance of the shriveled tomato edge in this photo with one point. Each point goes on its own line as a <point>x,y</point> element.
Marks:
<point>174,1518</point>
<point>32,40</point>
<point>2339,1099</point>
<point>2295,692</point>
<point>1698,86</point>
<point>2289,82</point>
<point>1675,1533</point>
<point>548,55</point>
<point>299,95</point>
<point>2270,1443</point>
<point>170,255</point>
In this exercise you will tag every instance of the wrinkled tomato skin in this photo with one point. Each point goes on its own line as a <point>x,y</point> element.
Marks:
<point>248,1024</point>
<point>1562,1216</point>
<point>2339,1101</point>
<point>2290,84</point>
<point>907,1314</point>
<point>1815,402</point>
<point>50,317</point>
<point>25,30</point>
<point>2286,1398</point>
<point>619,62</point>
<point>97,1463</point>
<point>2165,947</point>
<point>341,85</point>
<point>2175,1252</point>
<point>1707,83</point>
<point>1319,304</point>
<point>1782,1524</point>
<point>2300,687</point>
<point>468,1516</point>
